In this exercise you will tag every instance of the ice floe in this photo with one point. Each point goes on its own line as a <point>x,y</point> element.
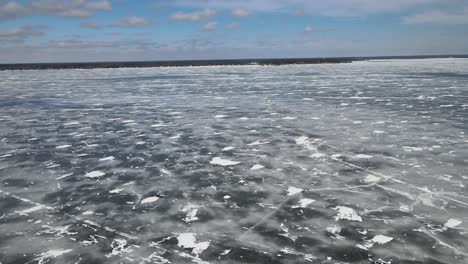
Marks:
<point>95,174</point>
<point>151,199</point>
<point>346,213</point>
<point>293,191</point>
<point>223,162</point>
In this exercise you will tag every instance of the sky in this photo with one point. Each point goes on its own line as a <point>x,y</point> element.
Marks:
<point>132,30</point>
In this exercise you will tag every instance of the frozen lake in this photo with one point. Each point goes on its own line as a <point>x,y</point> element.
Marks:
<point>364,162</point>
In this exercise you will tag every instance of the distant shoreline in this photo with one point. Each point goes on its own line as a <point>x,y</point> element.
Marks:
<point>184,63</point>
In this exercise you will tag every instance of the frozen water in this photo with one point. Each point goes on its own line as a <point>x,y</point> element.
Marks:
<point>351,163</point>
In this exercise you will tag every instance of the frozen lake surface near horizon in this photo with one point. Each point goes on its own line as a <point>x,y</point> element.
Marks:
<point>364,162</point>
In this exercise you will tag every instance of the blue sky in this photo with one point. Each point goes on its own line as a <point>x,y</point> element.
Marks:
<point>104,30</point>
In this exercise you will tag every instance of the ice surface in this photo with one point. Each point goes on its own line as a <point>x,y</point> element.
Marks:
<point>195,164</point>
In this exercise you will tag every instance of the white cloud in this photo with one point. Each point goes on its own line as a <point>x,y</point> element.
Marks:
<point>241,13</point>
<point>438,17</point>
<point>63,8</point>
<point>329,7</point>
<point>232,26</point>
<point>194,16</point>
<point>19,34</point>
<point>91,25</point>
<point>309,29</point>
<point>210,26</point>
<point>131,22</point>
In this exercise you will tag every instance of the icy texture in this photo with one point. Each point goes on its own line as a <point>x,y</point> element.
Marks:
<point>351,163</point>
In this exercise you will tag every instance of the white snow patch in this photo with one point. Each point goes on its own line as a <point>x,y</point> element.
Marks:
<point>223,162</point>
<point>151,199</point>
<point>293,191</point>
<point>88,213</point>
<point>94,174</point>
<point>346,213</point>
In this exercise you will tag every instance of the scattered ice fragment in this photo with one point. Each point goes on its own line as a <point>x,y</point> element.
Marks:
<point>379,239</point>
<point>54,253</point>
<point>223,162</point>
<point>317,155</point>
<point>346,213</point>
<point>405,208</point>
<point>453,223</point>
<point>64,176</point>
<point>336,156</point>
<point>63,146</point>
<point>71,124</point>
<point>256,143</point>
<point>303,203</point>
<point>30,210</point>
<point>293,191</point>
<point>220,116</point>
<point>151,199</point>
<point>119,246</point>
<point>188,240</point>
<point>107,158</point>
<point>227,197</point>
<point>225,252</point>
<point>371,178</point>
<point>362,156</point>
<point>289,118</point>
<point>302,140</point>
<point>191,211</point>
<point>228,148</point>
<point>94,174</point>
<point>257,167</point>
<point>378,132</point>
<point>411,149</point>
<point>88,213</point>
<point>334,230</point>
